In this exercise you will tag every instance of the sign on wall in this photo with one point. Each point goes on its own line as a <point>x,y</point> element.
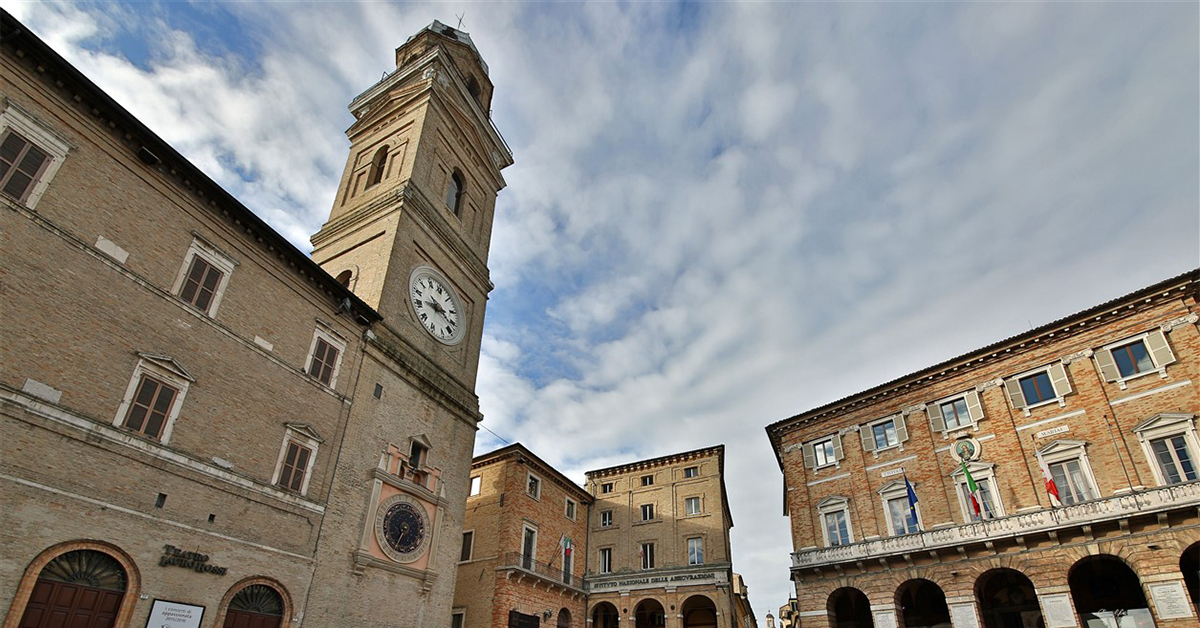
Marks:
<point>1058,611</point>
<point>963,616</point>
<point>168,614</point>
<point>885,619</point>
<point>1170,600</point>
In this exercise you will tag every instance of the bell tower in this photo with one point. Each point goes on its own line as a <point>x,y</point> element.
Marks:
<point>411,224</point>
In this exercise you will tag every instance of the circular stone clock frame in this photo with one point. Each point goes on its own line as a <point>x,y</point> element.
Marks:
<point>402,506</point>
<point>460,326</point>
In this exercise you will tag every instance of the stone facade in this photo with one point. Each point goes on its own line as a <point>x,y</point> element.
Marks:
<point>1105,401</point>
<point>175,373</point>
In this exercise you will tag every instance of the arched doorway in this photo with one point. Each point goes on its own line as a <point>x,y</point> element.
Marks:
<point>604,615</point>
<point>1189,564</point>
<point>255,606</point>
<point>922,605</point>
<point>1007,600</point>
<point>699,612</point>
<point>564,618</point>
<point>849,608</point>
<point>649,614</point>
<point>82,588</point>
<point>1105,590</point>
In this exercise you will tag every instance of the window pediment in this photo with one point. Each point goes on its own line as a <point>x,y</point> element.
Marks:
<point>975,468</point>
<point>167,363</point>
<point>1062,446</point>
<point>305,429</point>
<point>1165,420</point>
<point>832,502</point>
<point>895,487</point>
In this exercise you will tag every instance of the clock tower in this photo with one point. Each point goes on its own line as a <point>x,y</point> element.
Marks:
<point>409,233</point>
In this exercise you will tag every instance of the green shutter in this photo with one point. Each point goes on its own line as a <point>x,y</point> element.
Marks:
<point>974,407</point>
<point>1160,351</point>
<point>936,420</point>
<point>1058,377</point>
<point>1108,366</point>
<point>1013,387</point>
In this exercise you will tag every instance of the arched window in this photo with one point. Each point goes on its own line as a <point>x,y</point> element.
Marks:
<point>377,164</point>
<point>344,277</point>
<point>86,585</point>
<point>255,605</point>
<point>454,192</point>
<point>473,87</point>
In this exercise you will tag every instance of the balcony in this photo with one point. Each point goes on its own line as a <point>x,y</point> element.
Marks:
<point>523,564</point>
<point>1043,521</point>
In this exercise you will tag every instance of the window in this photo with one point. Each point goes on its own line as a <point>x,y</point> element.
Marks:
<point>417,455</point>
<point>606,560</point>
<point>834,512</point>
<point>646,553</point>
<point>1034,388</point>
<point>568,561</point>
<point>692,505</point>
<point>324,358</point>
<point>528,547</point>
<point>153,397</point>
<point>468,546</point>
<point>570,512</point>
<point>297,454</point>
<point>647,512</point>
<point>955,413</point>
<point>691,472</point>
<point>1134,357</point>
<point>454,192</point>
<point>607,487</point>
<point>647,480</point>
<point>884,433</point>
<point>695,551</point>
<point>900,518</point>
<point>1068,464</point>
<point>606,519</point>
<point>1170,444</point>
<point>378,163</point>
<point>823,452</point>
<point>533,486</point>
<point>458,619</point>
<point>202,278</point>
<point>30,155</point>
<point>989,500</point>
<point>476,485</point>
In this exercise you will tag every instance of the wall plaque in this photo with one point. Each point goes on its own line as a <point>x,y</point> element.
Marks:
<point>1058,611</point>
<point>885,619</point>
<point>1062,429</point>
<point>168,614</point>
<point>963,616</point>
<point>1170,600</point>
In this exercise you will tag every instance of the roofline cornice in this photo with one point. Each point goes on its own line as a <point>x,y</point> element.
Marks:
<point>521,453</point>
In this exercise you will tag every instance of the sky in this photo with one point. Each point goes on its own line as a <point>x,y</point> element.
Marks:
<point>721,214</point>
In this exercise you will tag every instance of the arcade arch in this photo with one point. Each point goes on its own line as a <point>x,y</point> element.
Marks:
<point>849,608</point>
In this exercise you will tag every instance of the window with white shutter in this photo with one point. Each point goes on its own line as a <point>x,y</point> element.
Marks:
<point>1038,387</point>
<point>1134,357</point>
<point>824,452</point>
<point>955,413</point>
<point>884,433</point>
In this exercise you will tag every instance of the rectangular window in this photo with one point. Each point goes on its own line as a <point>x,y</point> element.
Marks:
<point>647,480</point>
<point>647,512</point>
<point>476,485</point>
<point>988,506</point>
<point>1173,458</point>
<point>607,487</point>
<point>150,407</point>
<point>1132,359</point>
<point>837,528</point>
<point>570,512</point>
<point>295,466</point>
<point>692,505</point>
<point>647,555</point>
<point>21,163</point>
<point>1037,388</point>
<point>606,560</point>
<point>528,548</point>
<point>201,284</point>
<point>323,362</point>
<point>606,519</point>
<point>468,546</point>
<point>458,619</point>
<point>884,434</point>
<point>695,551</point>
<point>823,450</point>
<point>955,413</point>
<point>691,472</point>
<point>568,564</point>
<point>534,487</point>
<point>901,516</point>
<point>1073,486</point>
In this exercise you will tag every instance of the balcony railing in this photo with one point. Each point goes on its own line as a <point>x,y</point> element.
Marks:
<point>554,573</point>
<point>1117,507</point>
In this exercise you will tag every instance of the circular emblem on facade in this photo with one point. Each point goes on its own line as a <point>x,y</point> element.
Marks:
<point>402,528</point>
<point>965,450</point>
<point>436,306</point>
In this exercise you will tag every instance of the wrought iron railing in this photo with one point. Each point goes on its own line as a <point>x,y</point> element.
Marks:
<point>545,570</point>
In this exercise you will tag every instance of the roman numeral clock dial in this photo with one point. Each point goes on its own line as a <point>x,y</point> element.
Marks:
<point>435,305</point>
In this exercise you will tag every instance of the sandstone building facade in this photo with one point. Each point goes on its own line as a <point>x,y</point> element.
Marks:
<point>199,424</point>
<point>927,500</point>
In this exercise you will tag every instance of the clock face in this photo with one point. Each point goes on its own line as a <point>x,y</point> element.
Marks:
<point>435,305</point>
<point>402,528</point>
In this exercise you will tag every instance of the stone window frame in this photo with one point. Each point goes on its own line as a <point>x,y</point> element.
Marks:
<point>979,471</point>
<point>168,371</point>
<point>529,525</point>
<point>460,612</point>
<point>303,436</point>
<point>647,480</point>
<point>475,486</point>
<point>606,487</point>
<point>867,432</point>
<point>1157,348</point>
<point>1065,450</point>
<point>1166,425</point>
<point>897,490</point>
<point>326,333</point>
<point>532,480</point>
<point>1059,378</point>
<point>691,472</point>
<point>809,451</point>
<point>937,421</point>
<point>600,552</point>
<point>646,560</point>
<point>570,508</point>
<point>699,505</point>
<point>469,550</point>
<point>41,135</point>
<point>608,512</point>
<point>831,505</point>
<point>651,512</point>
<point>688,545</point>
<point>213,256</point>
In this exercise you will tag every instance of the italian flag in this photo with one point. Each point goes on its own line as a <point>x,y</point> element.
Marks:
<point>972,491</point>
<point>567,545</point>
<point>1051,487</point>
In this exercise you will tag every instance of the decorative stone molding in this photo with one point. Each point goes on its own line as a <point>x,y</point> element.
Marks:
<point>1179,322</point>
<point>989,384</point>
<point>1078,355</point>
<point>920,407</point>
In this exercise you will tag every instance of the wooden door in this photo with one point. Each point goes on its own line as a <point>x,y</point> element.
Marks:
<point>64,605</point>
<point>243,619</point>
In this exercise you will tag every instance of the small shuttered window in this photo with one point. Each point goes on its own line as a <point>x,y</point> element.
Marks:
<point>955,412</point>
<point>1038,387</point>
<point>21,162</point>
<point>150,407</point>
<point>324,360</point>
<point>200,285</point>
<point>295,467</point>
<point>823,452</point>
<point>1135,356</point>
